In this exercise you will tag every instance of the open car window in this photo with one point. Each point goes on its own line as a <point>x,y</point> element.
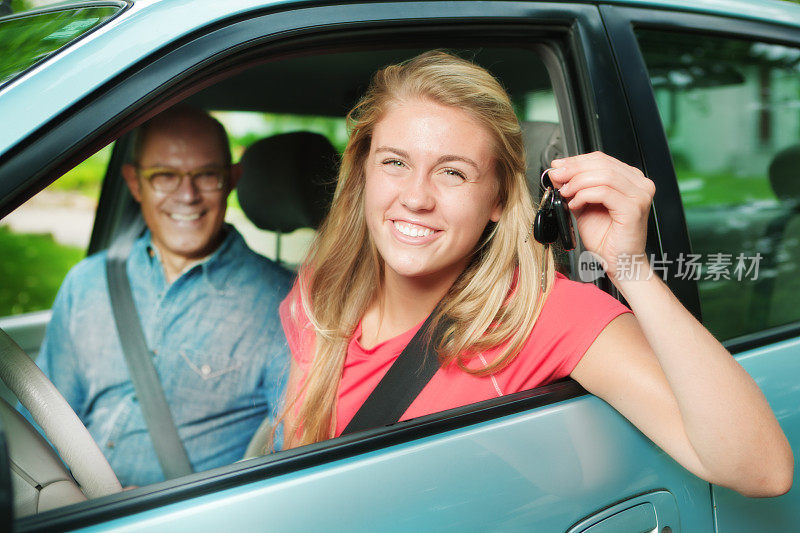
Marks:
<point>255,110</point>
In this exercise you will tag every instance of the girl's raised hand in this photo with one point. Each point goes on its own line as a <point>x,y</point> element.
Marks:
<point>610,201</point>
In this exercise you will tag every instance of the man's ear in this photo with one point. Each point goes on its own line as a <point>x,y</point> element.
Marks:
<point>236,175</point>
<point>132,180</point>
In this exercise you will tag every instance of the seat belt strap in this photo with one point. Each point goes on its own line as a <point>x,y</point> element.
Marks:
<point>409,374</point>
<point>157,415</point>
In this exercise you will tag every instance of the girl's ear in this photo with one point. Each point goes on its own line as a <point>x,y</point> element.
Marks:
<point>497,210</point>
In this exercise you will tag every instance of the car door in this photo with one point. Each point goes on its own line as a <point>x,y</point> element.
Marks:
<point>726,92</point>
<point>552,459</point>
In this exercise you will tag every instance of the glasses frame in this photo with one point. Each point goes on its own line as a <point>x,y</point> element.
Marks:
<point>147,174</point>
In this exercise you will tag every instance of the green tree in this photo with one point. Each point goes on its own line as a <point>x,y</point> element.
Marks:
<point>20,5</point>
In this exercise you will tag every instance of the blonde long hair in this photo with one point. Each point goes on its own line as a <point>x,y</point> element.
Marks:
<point>343,272</point>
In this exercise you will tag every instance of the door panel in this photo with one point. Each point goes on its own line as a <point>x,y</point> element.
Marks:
<point>545,470</point>
<point>751,96</point>
<point>776,369</point>
<point>27,330</point>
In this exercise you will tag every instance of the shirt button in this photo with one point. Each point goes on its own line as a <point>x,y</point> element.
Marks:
<point>110,444</point>
<point>205,370</point>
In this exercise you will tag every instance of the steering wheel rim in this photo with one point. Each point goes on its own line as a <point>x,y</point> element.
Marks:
<point>60,424</point>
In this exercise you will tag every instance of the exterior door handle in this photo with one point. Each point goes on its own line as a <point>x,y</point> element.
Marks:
<point>654,512</point>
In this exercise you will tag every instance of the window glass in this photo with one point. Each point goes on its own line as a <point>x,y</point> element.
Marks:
<point>731,112</point>
<point>45,237</point>
<point>30,38</point>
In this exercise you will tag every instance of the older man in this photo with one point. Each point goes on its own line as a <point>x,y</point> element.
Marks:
<point>207,304</point>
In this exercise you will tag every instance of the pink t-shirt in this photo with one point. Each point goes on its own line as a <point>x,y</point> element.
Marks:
<point>573,316</point>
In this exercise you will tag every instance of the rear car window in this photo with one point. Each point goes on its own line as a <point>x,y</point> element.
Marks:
<point>730,111</point>
<point>30,38</point>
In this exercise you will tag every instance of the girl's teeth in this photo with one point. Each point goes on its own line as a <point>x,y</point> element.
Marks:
<point>410,231</point>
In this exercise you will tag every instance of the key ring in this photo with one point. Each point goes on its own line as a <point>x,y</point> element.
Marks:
<point>547,196</point>
<point>541,179</point>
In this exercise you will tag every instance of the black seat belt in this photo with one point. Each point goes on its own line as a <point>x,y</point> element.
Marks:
<point>408,375</point>
<point>160,424</point>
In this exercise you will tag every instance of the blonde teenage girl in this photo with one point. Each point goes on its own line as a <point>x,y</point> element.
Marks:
<point>432,206</point>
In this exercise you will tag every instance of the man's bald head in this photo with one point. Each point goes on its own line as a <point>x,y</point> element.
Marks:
<point>181,118</point>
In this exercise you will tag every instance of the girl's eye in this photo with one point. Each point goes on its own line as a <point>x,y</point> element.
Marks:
<point>393,163</point>
<point>455,173</point>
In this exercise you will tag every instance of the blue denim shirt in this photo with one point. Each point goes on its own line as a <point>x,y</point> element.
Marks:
<point>219,350</point>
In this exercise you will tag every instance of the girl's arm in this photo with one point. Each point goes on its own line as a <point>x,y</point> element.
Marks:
<point>663,370</point>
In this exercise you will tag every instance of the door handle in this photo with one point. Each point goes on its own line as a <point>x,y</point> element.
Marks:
<point>655,512</point>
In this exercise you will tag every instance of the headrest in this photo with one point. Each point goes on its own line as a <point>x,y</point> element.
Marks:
<point>784,173</point>
<point>543,143</point>
<point>288,181</point>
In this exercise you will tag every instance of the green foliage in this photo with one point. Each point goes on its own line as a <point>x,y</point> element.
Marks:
<point>87,177</point>
<point>32,270</point>
<point>720,189</point>
<point>25,41</point>
<point>17,6</point>
<point>263,125</point>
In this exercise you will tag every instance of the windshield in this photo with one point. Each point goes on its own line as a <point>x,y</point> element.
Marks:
<point>29,38</point>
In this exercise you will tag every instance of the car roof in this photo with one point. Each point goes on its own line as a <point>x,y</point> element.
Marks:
<point>48,89</point>
<point>764,10</point>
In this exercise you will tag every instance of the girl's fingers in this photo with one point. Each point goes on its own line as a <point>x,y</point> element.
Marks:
<point>611,199</point>
<point>605,168</point>
<point>596,178</point>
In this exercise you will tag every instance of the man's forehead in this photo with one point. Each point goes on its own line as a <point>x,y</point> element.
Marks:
<point>185,139</point>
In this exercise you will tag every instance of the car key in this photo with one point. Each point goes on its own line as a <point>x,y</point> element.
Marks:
<point>545,230</point>
<point>552,222</point>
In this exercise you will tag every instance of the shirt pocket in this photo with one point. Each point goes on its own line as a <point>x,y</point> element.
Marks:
<point>214,372</point>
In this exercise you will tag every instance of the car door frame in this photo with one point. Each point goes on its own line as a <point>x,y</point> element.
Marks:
<point>119,105</point>
<point>770,355</point>
<point>620,23</point>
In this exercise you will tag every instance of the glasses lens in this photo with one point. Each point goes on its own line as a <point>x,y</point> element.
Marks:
<point>165,180</point>
<point>208,180</point>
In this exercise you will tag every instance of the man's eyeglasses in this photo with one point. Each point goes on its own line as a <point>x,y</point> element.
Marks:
<point>168,179</point>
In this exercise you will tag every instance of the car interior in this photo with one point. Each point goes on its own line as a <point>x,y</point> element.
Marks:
<point>287,185</point>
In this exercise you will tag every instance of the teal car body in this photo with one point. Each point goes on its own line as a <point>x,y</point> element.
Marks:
<point>551,459</point>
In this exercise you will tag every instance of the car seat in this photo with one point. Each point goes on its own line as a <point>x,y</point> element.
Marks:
<point>773,300</point>
<point>288,182</point>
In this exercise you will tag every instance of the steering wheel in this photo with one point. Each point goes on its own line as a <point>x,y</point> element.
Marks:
<point>59,422</point>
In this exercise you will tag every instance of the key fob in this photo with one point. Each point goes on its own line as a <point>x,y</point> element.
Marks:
<point>564,229</point>
<point>545,225</point>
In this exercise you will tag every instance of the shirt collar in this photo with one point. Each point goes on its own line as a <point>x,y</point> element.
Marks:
<point>213,267</point>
